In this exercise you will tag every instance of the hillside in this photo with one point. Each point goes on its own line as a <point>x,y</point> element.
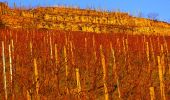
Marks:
<point>75,19</point>
<point>59,53</point>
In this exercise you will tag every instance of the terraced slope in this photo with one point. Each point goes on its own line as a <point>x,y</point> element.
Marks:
<point>75,19</point>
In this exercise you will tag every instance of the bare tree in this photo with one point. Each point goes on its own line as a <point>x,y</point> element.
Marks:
<point>140,14</point>
<point>153,16</point>
<point>168,21</point>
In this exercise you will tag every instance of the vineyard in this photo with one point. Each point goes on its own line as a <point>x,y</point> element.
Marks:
<point>65,53</point>
<point>55,65</point>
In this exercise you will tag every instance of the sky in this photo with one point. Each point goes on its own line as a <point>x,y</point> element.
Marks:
<point>134,7</point>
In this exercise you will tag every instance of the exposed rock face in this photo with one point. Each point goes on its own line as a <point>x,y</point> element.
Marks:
<point>75,19</point>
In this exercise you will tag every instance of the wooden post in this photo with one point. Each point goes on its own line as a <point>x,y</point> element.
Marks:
<point>162,86</point>
<point>36,79</point>
<point>12,45</point>
<point>118,44</point>
<point>31,47</point>
<point>126,43</point>
<point>148,57</point>
<point>10,68</point>
<point>152,51</point>
<point>162,60</point>
<point>4,71</point>
<point>56,55</point>
<point>104,73</point>
<point>152,93</point>
<point>78,80</point>
<point>127,54</point>
<point>124,47</point>
<point>86,62</point>
<point>57,67</point>
<point>28,95</point>
<point>12,54</point>
<point>51,48</point>
<point>114,69</point>
<point>166,49</point>
<point>147,51</point>
<point>72,54</point>
<point>66,68</point>
<point>65,60</point>
<point>95,59</point>
<point>10,63</point>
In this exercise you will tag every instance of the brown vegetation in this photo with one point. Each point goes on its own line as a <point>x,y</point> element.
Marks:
<point>48,64</point>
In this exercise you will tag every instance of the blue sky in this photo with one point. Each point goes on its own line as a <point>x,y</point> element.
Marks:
<point>161,7</point>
